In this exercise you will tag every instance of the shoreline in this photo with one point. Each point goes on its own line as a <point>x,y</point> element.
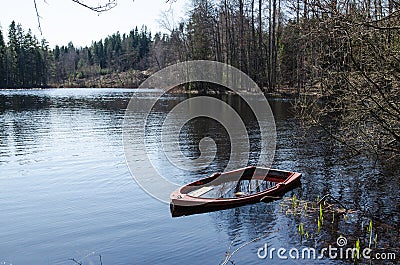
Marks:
<point>289,93</point>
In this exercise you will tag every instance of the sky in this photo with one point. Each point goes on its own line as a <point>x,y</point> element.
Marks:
<point>63,21</point>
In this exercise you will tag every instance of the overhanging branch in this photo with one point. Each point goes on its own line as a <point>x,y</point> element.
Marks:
<point>38,18</point>
<point>96,8</point>
<point>99,7</point>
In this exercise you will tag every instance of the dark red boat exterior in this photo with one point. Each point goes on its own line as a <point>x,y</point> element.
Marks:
<point>181,201</point>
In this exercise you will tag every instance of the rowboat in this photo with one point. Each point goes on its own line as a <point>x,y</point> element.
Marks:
<point>231,189</point>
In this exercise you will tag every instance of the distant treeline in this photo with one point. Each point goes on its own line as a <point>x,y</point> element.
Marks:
<point>116,53</point>
<point>27,62</point>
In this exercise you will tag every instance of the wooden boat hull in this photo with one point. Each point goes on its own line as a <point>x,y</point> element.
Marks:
<point>187,199</point>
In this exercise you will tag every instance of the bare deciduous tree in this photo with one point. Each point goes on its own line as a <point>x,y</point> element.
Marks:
<point>358,65</point>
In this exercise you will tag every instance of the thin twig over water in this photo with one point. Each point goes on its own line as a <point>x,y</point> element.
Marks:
<point>230,255</point>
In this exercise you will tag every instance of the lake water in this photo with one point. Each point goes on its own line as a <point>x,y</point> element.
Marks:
<point>67,193</point>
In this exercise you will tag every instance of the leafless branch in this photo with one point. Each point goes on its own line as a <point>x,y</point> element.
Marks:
<point>77,262</point>
<point>38,18</point>
<point>99,8</point>
<point>229,255</point>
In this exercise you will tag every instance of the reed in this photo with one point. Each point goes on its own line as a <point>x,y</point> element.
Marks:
<point>300,230</point>
<point>369,229</point>
<point>357,253</point>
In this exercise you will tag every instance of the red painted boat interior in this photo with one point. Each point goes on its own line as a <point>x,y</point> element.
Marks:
<point>236,183</point>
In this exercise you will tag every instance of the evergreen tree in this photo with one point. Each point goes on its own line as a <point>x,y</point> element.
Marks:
<point>12,75</point>
<point>2,60</point>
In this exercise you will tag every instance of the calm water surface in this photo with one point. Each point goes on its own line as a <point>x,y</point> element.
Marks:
<point>66,191</point>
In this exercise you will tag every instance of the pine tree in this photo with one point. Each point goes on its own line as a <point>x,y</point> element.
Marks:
<point>12,75</point>
<point>2,60</point>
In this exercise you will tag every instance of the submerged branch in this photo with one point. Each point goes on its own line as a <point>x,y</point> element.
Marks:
<point>229,255</point>
<point>334,199</point>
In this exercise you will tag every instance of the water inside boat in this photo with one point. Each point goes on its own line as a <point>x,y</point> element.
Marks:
<point>232,189</point>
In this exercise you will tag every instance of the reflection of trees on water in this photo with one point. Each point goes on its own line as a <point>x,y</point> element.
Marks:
<point>22,126</point>
<point>30,119</point>
<point>195,130</point>
<point>235,189</point>
<point>37,100</point>
<point>22,102</point>
<point>359,183</point>
<point>247,222</point>
<point>200,128</point>
<point>356,182</point>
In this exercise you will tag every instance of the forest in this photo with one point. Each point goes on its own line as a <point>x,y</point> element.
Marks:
<point>345,52</point>
<point>292,43</point>
<point>26,62</point>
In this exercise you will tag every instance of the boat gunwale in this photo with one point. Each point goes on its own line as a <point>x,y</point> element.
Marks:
<point>291,177</point>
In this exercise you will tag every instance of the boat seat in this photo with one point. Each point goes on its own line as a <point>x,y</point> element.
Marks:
<point>199,192</point>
